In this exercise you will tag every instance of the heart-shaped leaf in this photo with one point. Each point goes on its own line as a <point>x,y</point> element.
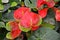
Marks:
<point>44,34</point>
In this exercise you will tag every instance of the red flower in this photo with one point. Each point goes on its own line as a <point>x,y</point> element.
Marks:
<point>43,12</point>
<point>30,20</point>
<point>49,3</point>
<point>15,33</point>
<point>57,16</point>
<point>26,20</point>
<point>13,27</point>
<point>20,12</point>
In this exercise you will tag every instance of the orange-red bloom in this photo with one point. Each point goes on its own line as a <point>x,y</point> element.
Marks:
<point>43,12</point>
<point>30,19</point>
<point>20,12</point>
<point>49,3</point>
<point>57,15</point>
<point>14,30</point>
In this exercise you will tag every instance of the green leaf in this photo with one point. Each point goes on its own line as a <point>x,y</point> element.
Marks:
<point>49,34</point>
<point>9,10</point>
<point>13,4</point>
<point>31,3</point>
<point>1,7</point>
<point>11,1</point>
<point>48,25</point>
<point>44,33</point>
<point>2,24</point>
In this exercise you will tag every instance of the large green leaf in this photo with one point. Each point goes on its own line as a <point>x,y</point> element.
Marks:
<point>49,34</point>
<point>44,34</point>
<point>30,3</point>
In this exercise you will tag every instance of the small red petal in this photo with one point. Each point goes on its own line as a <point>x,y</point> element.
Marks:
<point>57,16</point>
<point>15,33</point>
<point>34,28</point>
<point>31,19</point>
<point>26,20</point>
<point>43,12</point>
<point>14,25</point>
<point>35,18</point>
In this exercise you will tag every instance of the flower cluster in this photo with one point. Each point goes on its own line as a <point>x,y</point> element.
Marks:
<point>26,20</point>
